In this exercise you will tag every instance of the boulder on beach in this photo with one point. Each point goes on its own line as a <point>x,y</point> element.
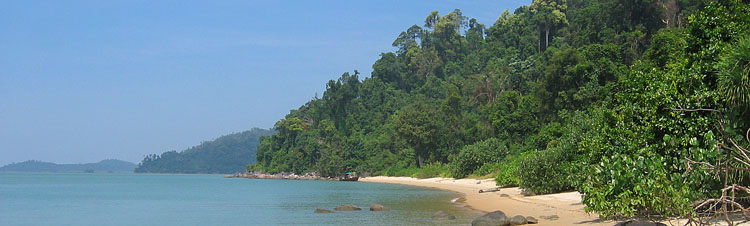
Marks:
<point>491,219</point>
<point>442,215</point>
<point>377,207</point>
<point>347,207</point>
<point>323,211</point>
<point>531,220</point>
<point>518,220</point>
<point>527,192</point>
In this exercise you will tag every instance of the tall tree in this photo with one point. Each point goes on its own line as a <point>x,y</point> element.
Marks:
<point>549,15</point>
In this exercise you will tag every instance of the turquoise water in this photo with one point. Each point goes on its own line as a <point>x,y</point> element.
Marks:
<point>137,199</point>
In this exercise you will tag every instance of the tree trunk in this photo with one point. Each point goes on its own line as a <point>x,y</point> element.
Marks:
<point>546,37</point>
<point>539,43</point>
<point>420,160</point>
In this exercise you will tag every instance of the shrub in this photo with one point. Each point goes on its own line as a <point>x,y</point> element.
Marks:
<point>395,171</point>
<point>507,171</point>
<point>473,157</point>
<point>488,168</point>
<point>432,170</point>
<point>545,172</point>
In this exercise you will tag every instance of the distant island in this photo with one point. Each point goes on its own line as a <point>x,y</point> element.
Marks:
<point>226,154</point>
<point>104,166</point>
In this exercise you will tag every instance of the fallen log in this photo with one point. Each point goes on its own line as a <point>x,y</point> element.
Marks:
<point>490,189</point>
<point>494,189</point>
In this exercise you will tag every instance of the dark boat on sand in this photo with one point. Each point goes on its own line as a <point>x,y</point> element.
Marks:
<point>349,177</point>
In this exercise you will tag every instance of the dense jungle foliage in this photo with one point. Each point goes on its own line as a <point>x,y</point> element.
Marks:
<point>226,154</point>
<point>607,97</point>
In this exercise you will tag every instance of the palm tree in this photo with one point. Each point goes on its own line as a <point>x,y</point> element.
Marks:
<point>734,75</point>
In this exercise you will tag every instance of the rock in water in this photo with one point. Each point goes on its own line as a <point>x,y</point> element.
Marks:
<point>491,219</point>
<point>323,211</point>
<point>459,199</point>
<point>531,220</point>
<point>347,207</point>
<point>377,207</point>
<point>442,215</point>
<point>518,220</point>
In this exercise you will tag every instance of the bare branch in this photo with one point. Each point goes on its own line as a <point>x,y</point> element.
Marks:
<point>693,109</point>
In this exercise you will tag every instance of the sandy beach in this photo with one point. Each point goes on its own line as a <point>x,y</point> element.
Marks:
<point>567,206</point>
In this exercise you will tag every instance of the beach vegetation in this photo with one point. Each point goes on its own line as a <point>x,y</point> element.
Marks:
<point>475,156</point>
<point>609,98</point>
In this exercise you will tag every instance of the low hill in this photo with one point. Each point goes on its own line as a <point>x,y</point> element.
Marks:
<point>226,154</point>
<point>109,165</point>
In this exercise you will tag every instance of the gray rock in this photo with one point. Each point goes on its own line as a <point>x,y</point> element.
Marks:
<point>505,195</point>
<point>347,207</point>
<point>323,211</point>
<point>377,207</point>
<point>527,192</point>
<point>518,220</point>
<point>442,215</point>
<point>531,220</point>
<point>550,217</point>
<point>639,223</point>
<point>496,218</point>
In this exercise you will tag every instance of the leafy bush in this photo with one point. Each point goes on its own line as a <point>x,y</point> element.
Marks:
<point>507,171</point>
<point>473,157</point>
<point>625,186</point>
<point>428,171</point>
<point>545,172</point>
<point>488,169</point>
<point>395,171</point>
<point>432,170</point>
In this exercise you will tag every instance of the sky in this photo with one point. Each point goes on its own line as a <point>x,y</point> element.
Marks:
<point>83,81</point>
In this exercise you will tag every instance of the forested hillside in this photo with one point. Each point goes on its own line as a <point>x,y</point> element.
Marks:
<point>612,98</point>
<point>226,154</point>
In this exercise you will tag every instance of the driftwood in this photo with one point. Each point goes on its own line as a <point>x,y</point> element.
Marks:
<point>731,205</point>
<point>494,189</point>
<point>489,190</point>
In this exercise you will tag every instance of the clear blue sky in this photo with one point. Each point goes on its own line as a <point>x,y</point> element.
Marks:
<point>82,81</point>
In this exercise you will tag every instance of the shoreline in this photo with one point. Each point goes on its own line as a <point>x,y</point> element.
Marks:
<point>566,206</point>
<point>278,176</point>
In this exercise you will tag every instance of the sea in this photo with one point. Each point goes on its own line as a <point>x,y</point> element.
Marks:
<point>160,199</point>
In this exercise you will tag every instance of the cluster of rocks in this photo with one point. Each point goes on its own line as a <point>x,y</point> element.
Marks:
<point>349,207</point>
<point>282,175</point>
<point>498,218</point>
<point>442,215</point>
